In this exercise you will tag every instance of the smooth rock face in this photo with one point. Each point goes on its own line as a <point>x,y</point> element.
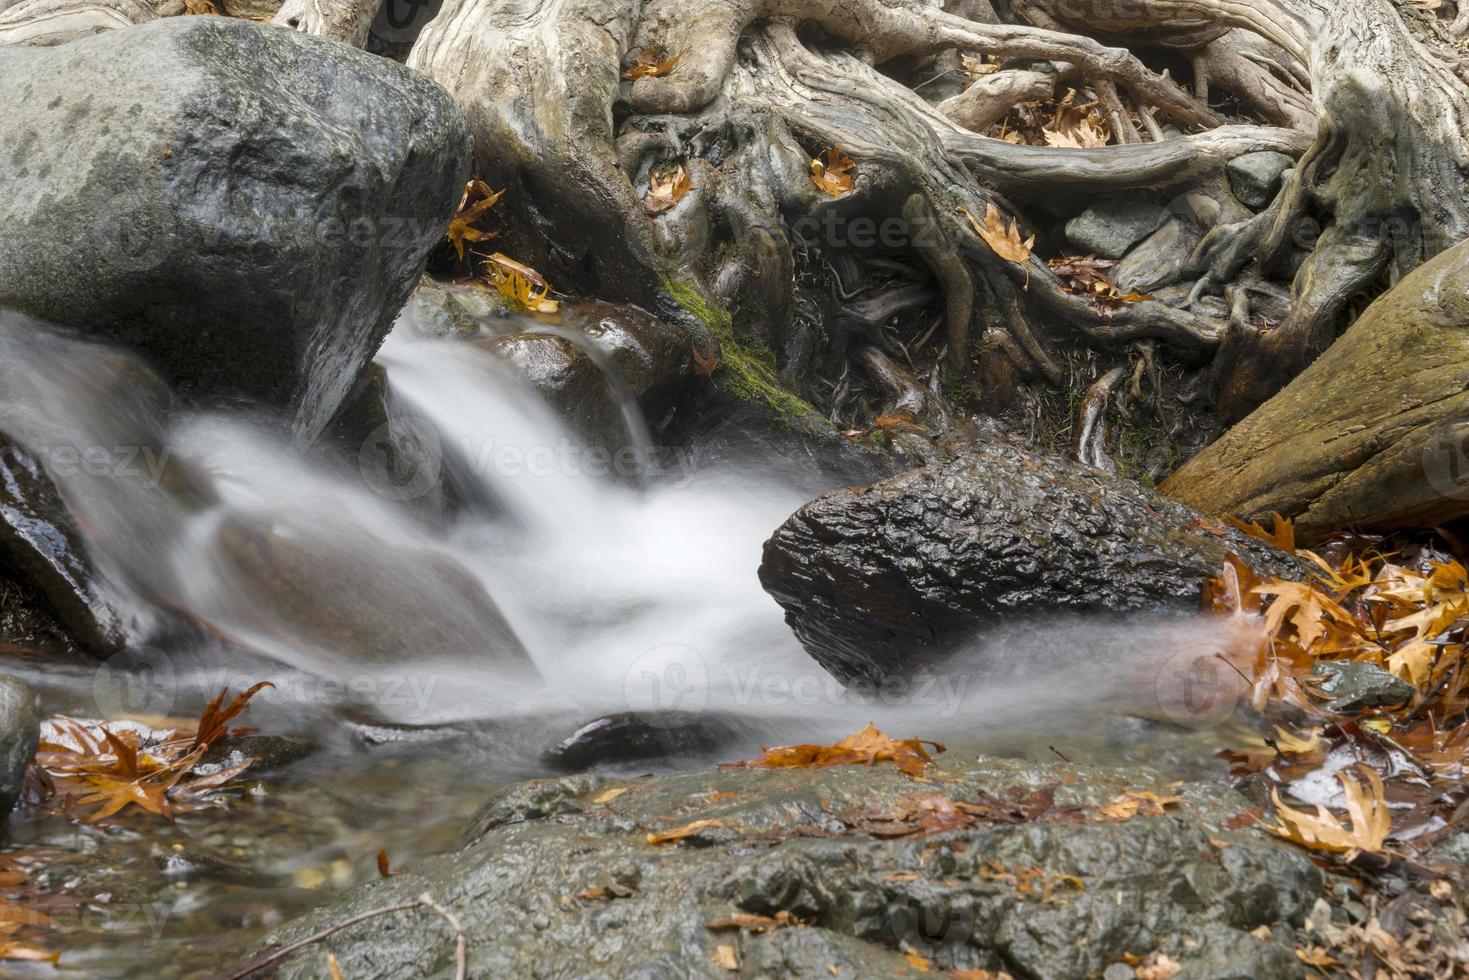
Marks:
<point>247,205</point>
<point>1109,228</point>
<point>880,580</point>
<point>1373,436</point>
<point>1255,177</point>
<point>20,731</point>
<point>557,879</point>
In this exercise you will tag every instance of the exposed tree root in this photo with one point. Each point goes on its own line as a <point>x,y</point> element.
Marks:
<point>1368,95</point>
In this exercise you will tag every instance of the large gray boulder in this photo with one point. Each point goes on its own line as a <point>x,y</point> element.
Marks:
<point>247,205</point>
<point>557,878</point>
<point>877,581</point>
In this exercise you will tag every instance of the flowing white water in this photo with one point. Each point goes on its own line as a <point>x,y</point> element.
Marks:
<point>624,595</point>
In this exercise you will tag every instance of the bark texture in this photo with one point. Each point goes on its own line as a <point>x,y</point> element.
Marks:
<point>1343,446</point>
<point>1368,96</point>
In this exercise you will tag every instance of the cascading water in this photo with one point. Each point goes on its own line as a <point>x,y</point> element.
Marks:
<point>564,588</point>
<point>439,605</point>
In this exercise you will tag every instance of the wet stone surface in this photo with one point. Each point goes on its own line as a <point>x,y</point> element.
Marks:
<point>558,878</point>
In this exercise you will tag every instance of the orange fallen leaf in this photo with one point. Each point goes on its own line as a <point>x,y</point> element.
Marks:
<point>666,187</point>
<point>1138,804</point>
<point>705,366</point>
<point>683,833</point>
<point>1283,536</point>
<point>650,63</point>
<point>865,748</point>
<point>832,173</point>
<point>1004,242</point>
<point>757,924</point>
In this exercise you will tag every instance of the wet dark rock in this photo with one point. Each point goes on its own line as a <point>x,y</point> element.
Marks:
<point>43,550</point>
<point>642,736</point>
<point>399,455</point>
<point>248,206</point>
<point>1352,685</point>
<point>1255,177</point>
<point>269,752</point>
<point>20,731</point>
<point>556,878</point>
<point>876,581</point>
<point>594,360</point>
<point>1109,228</point>
<point>434,311</point>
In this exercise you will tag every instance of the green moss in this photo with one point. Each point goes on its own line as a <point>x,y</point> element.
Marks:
<point>746,371</point>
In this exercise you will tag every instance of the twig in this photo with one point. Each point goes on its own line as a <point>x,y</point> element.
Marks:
<point>461,951</point>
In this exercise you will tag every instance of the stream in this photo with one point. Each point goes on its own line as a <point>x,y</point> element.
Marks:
<point>431,631</point>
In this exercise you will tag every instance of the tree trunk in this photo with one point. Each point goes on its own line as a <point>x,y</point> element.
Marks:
<point>1345,445</point>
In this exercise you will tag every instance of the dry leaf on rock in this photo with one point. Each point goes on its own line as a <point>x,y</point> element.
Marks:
<point>666,187</point>
<point>520,283</point>
<point>1138,804</point>
<point>685,832</point>
<point>865,748</point>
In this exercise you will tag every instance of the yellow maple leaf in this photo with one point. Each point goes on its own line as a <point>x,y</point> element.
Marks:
<point>832,173</point>
<point>461,226</point>
<point>1004,242</point>
<point>1366,808</point>
<point>520,283</point>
